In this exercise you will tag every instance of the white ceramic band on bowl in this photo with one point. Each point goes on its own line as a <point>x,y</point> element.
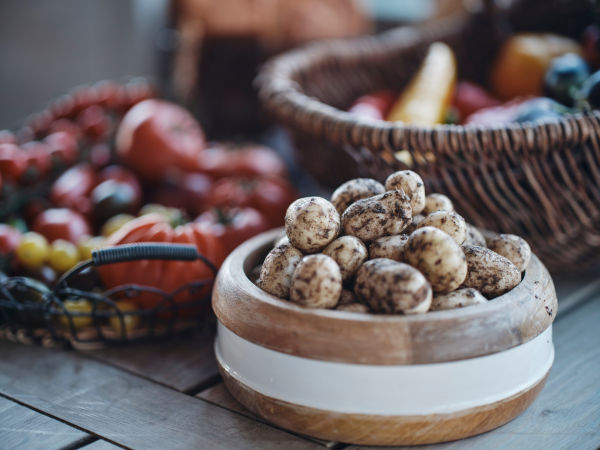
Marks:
<point>385,390</point>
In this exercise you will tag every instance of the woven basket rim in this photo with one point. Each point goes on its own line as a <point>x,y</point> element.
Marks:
<point>284,97</point>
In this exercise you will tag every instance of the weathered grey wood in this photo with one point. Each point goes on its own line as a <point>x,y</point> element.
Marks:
<point>183,363</point>
<point>219,395</point>
<point>566,415</point>
<point>576,295</point>
<point>100,444</point>
<point>568,283</point>
<point>124,408</point>
<point>24,428</point>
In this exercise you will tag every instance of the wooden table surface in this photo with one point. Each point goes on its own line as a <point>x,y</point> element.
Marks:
<point>169,395</point>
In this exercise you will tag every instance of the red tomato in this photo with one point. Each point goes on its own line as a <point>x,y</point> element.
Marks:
<point>9,238</point>
<point>67,126</point>
<point>470,97</point>
<point>155,136</point>
<point>13,161</point>
<point>227,160</point>
<point>271,195</point>
<point>165,275</point>
<point>122,175</point>
<point>38,156</point>
<point>94,122</point>
<point>61,223</point>
<point>375,105</point>
<point>100,155</point>
<point>233,225</point>
<point>73,187</point>
<point>62,106</point>
<point>62,145</point>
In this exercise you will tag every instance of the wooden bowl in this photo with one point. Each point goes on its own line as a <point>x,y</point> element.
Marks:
<point>382,379</point>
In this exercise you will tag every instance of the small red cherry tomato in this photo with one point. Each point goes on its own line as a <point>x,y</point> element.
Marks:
<point>61,223</point>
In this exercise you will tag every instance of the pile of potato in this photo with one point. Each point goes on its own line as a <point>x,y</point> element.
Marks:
<point>388,249</point>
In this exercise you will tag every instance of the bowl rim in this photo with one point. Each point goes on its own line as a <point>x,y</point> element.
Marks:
<point>521,314</point>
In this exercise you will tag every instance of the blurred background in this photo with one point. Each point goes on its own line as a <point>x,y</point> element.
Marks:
<point>47,48</point>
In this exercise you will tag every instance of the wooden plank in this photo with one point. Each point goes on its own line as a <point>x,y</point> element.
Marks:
<point>185,363</point>
<point>220,396</point>
<point>567,413</point>
<point>124,408</point>
<point>101,444</point>
<point>22,427</point>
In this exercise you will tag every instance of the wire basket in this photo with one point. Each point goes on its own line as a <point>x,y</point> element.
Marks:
<point>541,181</point>
<point>32,312</point>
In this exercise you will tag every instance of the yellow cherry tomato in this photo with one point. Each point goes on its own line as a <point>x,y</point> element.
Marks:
<point>63,255</point>
<point>88,244</point>
<point>33,250</point>
<point>130,321</point>
<point>77,305</point>
<point>115,222</point>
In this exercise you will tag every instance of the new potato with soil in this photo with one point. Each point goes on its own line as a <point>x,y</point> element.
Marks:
<point>390,249</point>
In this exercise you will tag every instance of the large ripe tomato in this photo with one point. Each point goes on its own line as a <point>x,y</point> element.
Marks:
<point>156,135</point>
<point>229,160</point>
<point>61,223</point>
<point>72,188</point>
<point>161,274</point>
<point>233,225</point>
<point>269,195</point>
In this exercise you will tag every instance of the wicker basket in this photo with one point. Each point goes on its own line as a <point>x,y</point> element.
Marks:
<point>540,181</point>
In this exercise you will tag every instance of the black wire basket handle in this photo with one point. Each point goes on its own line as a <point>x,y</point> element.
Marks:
<point>139,251</point>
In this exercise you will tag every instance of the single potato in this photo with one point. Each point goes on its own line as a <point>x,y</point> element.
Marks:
<point>354,190</point>
<point>390,287</point>
<point>278,268</point>
<point>437,202</point>
<point>449,222</point>
<point>382,215</point>
<point>311,223</point>
<point>438,257</point>
<point>391,247</point>
<point>489,273</point>
<point>512,247</point>
<point>412,185</point>
<point>457,299</point>
<point>348,252</point>
<point>474,236</point>
<point>317,282</point>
